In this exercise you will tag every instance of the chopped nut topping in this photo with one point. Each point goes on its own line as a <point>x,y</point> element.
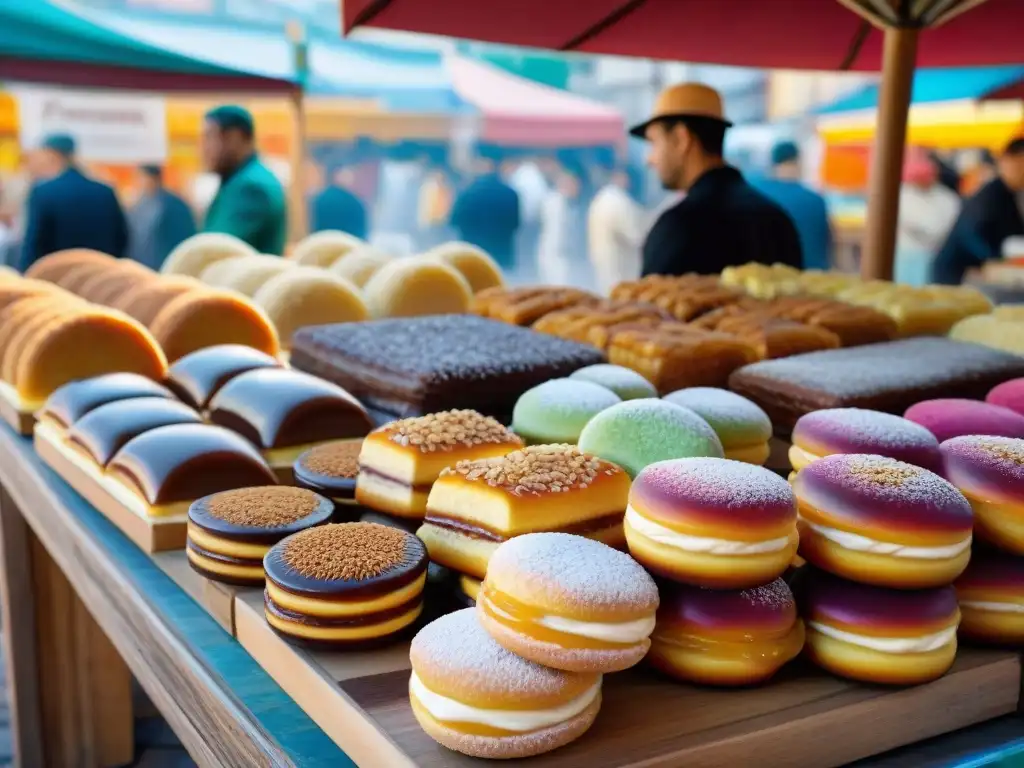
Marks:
<point>447,430</point>
<point>537,469</point>
<point>1003,451</point>
<point>346,551</point>
<point>892,476</point>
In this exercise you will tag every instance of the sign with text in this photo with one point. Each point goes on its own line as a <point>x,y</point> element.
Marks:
<point>107,128</point>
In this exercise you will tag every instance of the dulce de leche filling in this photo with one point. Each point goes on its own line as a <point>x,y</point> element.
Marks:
<point>775,648</point>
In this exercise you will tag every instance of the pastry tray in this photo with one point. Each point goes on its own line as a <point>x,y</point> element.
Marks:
<point>20,421</point>
<point>803,717</point>
<point>216,598</point>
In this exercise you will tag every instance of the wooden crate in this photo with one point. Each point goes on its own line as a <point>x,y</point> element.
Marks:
<point>149,534</point>
<point>803,718</point>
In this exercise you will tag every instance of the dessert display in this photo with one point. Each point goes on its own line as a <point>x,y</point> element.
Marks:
<point>772,337</point>
<point>330,470</point>
<point>879,635</point>
<point>206,318</point>
<point>413,366</point>
<point>880,521</point>
<point>728,638</point>
<point>198,252</point>
<point>888,377</point>
<point>742,427</point>
<point>473,696</point>
<point>359,265</point>
<point>474,506</point>
<point>637,433</point>
<point>400,461</point>
<point>949,417</point>
<point>415,287</point>
<point>26,319</point>
<point>1009,394</point>
<point>229,533</point>
<point>145,301</point>
<point>479,269</point>
<point>992,331</point>
<point>857,430</point>
<point>198,376</point>
<point>284,412</point>
<point>685,297</point>
<point>55,266</point>
<point>989,471</point>
<point>597,323</point>
<point>322,249</point>
<point>568,602</point>
<point>712,522</point>
<point>162,471</point>
<point>303,296</point>
<point>245,274</point>
<point>626,383</point>
<point>74,400</point>
<point>524,306</point>
<point>16,288</point>
<point>106,429</point>
<point>345,585</point>
<point>116,278</point>
<point>991,597</point>
<point>558,410</point>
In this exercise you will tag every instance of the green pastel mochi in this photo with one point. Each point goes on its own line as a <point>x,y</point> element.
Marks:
<point>557,410</point>
<point>739,422</point>
<point>636,433</point>
<point>624,382</point>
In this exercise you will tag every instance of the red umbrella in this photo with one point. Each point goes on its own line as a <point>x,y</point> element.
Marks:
<point>891,35</point>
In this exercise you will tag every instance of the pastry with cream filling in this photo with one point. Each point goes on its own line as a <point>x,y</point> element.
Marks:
<point>881,521</point>
<point>331,470</point>
<point>345,585</point>
<point>473,696</point>
<point>229,533</point>
<point>198,376</point>
<point>879,635</point>
<point>400,461</point>
<point>991,597</point>
<point>74,400</point>
<point>726,637</point>
<point>712,522</point>
<point>742,427</point>
<point>474,506</point>
<point>951,417</point>
<point>568,602</point>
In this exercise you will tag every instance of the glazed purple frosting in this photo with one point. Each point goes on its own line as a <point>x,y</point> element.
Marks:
<point>1009,394</point>
<point>987,468</point>
<point>991,568</point>
<point>829,599</point>
<point>952,417</point>
<point>769,607</point>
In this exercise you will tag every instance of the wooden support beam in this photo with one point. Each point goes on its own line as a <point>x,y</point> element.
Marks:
<point>898,62</point>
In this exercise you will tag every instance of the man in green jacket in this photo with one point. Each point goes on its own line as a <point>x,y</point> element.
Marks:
<point>250,203</point>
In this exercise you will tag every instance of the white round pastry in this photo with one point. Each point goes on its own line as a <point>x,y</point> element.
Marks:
<point>304,296</point>
<point>359,265</point>
<point>322,249</point>
<point>412,287</point>
<point>474,264</point>
<point>194,255</point>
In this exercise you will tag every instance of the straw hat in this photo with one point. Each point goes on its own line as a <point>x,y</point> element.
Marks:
<point>684,100</point>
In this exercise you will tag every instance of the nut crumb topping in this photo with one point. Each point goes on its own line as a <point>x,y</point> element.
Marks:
<point>447,430</point>
<point>887,475</point>
<point>340,459</point>
<point>537,469</point>
<point>272,506</point>
<point>1003,450</point>
<point>346,551</point>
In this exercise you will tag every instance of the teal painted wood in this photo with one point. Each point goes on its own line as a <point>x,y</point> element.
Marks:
<point>222,655</point>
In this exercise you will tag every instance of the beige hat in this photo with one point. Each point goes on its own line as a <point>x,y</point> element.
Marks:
<point>684,100</point>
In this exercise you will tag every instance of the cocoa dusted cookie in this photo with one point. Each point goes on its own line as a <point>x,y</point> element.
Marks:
<point>345,585</point>
<point>330,469</point>
<point>229,533</point>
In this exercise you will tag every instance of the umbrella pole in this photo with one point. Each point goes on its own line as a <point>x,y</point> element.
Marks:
<point>898,62</point>
<point>298,220</point>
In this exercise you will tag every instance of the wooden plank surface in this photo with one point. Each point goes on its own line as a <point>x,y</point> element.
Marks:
<point>218,599</point>
<point>19,421</point>
<point>805,717</point>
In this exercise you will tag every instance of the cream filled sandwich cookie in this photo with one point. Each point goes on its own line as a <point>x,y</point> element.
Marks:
<point>473,696</point>
<point>400,461</point>
<point>991,597</point>
<point>74,400</point>
<point>477,505</point>
<point>568,602</point>
<point>331,469</point>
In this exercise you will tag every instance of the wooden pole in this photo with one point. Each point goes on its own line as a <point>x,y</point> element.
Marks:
<point>898,62</point>
<point>298,220</point>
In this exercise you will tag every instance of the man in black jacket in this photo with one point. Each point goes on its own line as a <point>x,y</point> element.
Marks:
<point>987,219</point>
<point>722,221</point>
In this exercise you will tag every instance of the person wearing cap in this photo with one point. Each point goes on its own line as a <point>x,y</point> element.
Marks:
<point>987,219</point>
<point>723,221</point>
<point>70,210</point>
<point>250,203</point>
<point>805,207</point>
<point>158,221</point>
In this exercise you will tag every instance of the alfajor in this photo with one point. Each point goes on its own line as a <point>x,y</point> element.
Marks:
<point>712,522</point>
<point>879,635</point>
<point>473,696</point>
<point>477,505</point>
<point>991,597</point>
<point>568,602</point>
<point>197,377</point>
<point>330,469</point>
<point>400,461</point>
<point>882,521</point>
<point>989,471</point>
<point>345,585</point>
<point>725,637</point>
<point>77,398</point>
<point>230,533</point>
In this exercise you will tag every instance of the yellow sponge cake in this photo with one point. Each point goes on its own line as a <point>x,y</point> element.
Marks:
<point>412,287</point>
<point>194,255</point>
<point>249,274</point>
<point>322,249</point>
<point>359,265</point>
<point>303,296</point>
<point>206,317</point>
<point>479,269</point>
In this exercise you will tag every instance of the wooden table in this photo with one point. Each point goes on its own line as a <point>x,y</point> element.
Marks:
<point>70,580</point>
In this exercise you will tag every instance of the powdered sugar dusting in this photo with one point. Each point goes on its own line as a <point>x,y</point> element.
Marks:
<point>457,647</point>
<point>625,382</point>
<point>773,596</point>
<point>884,480</point>
<point>1001,456</point>
<point>718,483</point>
<point>729,414</point>
<point>873,430</point>
<point>583,571</point>
<point>565,400</point>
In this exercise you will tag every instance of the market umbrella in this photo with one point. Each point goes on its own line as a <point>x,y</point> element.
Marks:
<point>891,35</point>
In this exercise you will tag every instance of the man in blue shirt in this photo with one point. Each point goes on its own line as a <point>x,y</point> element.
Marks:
<point>338,207</point>
<point>805,207</point>
<point>486,214</point>
<point>159,221</point>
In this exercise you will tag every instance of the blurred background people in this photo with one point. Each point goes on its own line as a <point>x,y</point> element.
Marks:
<point>530,183</point>
<point>615,231</point>
<point>928,210</point>
<point>947,174</point>
<point>70,210</point>
<point>250,202</point>
<point>338,207</point>
<point>986,220</point>
<point>435,208</point>
<point>805,207</point>
<point>158,221</point>
<point>486,214</point>
<point>562,241</point>
<point>722,221</point>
